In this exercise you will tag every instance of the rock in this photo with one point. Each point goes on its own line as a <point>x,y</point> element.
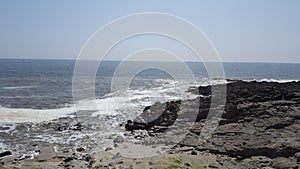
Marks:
<point>214,165</point>
<point>80,149</point>
<point>62,128</point>
<point>259,128</point>
<point>118,139</point>
<point>4,128</point>
<point>132,125</point>
<point>194,152</point>
<point>5,153</point>
<point>230,111</point>
<point>297,156</point>
<point>240,157</point>
<point>187,164</point>
<point>76,126</point>
<point>86,157</point>
<point>108,148</point>
<point>119,161</point>
<point>24,156</point>
<point>68,159</point>
<point>186,149</point>
<point>284,163</point>
<point>157,115</point>
<point>45,154</point>
<point>116,156</point>
<point>191,140</point>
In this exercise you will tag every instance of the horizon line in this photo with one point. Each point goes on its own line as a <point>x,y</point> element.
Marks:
<point>67,59</point>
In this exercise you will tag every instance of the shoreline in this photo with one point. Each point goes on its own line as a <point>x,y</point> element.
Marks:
<point>259,128</point>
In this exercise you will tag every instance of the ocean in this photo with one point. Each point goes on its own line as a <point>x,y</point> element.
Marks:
<point>38,90</point>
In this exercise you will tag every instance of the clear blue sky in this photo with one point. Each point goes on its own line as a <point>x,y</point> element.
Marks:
<point>241,30</point>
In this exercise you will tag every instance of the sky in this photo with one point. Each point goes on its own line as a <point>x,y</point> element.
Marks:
<point>241,30</point>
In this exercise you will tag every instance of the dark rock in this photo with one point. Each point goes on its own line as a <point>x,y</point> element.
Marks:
<point>68,159</point>
<point>194,152</point>
<point>187,164</point>
<point>86,157</point>
<point>80,149</point>
<point>230,111</point>
<point>23,157</point>
<point>119,161</point>
<point>297,156</point>
<point>108,148</point>
<point>132,125</point>
<point>62,128</point>
<point>261,119</point>
<point>5,153</point>
<point>4,128</point>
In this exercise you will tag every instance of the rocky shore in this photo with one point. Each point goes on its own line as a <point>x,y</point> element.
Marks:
<point>259,128</point>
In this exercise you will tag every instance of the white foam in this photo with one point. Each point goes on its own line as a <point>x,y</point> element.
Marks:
<point>17,115</point>
<point>274,80</point>
<point>127,103</point>
<point>214,82</point>
<point>16,87</point>
<point>22,97</point>
<point>130,102</point>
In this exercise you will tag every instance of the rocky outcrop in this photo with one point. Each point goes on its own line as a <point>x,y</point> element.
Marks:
<point>260,119</point>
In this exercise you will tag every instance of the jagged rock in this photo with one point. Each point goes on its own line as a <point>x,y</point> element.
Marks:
<point>261,119</point>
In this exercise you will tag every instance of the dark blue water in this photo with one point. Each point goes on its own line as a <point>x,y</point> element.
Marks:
<point>43,84</point>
